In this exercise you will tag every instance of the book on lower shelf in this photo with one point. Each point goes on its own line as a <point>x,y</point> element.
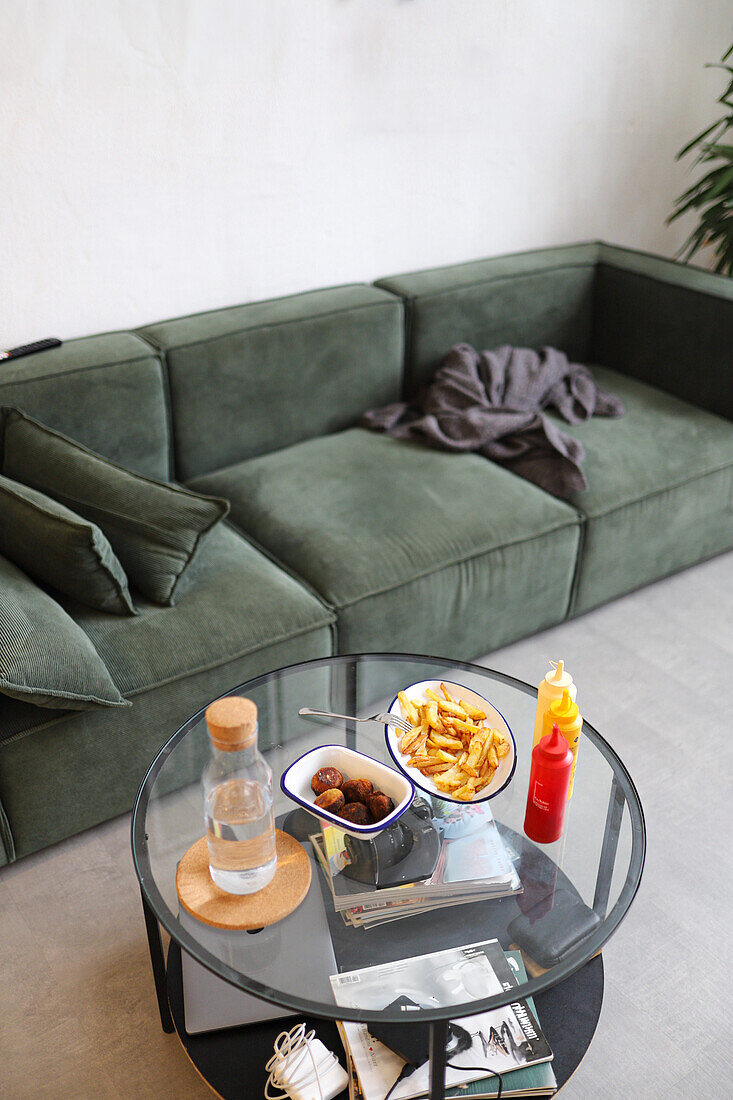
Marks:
<point>507,1040</point>
<point>454,851</point>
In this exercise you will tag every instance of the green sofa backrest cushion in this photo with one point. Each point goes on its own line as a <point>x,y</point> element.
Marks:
<point>45,658</point>
<point>106,391</point>
<point>530,299</point>
<point>60,548</point>
<point>255,378</point>
<point>154,528</point>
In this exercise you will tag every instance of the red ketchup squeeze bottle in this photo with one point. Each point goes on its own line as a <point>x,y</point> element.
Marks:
<point>549,779</point>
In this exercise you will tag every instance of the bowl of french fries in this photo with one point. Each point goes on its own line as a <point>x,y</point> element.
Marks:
<point>459,746</point>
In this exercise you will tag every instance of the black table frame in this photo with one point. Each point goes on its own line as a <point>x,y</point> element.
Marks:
<point>232,1061</point>
<point>438,1027</point>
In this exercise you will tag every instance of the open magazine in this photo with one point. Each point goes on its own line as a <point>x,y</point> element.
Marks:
<point>536,1081</point>
<point>501,1041</point>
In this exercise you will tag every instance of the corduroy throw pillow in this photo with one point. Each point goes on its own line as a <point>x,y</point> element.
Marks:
<point>45,658</point>
<point>153,527</point>
<point>55,546</point>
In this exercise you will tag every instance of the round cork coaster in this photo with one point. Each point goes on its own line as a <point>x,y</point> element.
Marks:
<point>201,897</point>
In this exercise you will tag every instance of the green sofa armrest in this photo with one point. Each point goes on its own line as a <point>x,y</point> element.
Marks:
<point>667,324</point>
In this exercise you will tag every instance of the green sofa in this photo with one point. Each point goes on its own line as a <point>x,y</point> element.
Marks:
<point>342,540</point>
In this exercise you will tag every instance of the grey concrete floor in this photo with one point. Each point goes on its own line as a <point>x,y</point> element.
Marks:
<point>77,1011</point>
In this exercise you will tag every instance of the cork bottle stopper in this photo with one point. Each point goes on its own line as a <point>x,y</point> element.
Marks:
<point>232,723</point>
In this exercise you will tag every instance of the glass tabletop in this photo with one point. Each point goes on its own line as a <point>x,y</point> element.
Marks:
<point>574,893</point>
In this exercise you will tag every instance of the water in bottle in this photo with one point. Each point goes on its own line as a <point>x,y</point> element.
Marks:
<point>238,810</point>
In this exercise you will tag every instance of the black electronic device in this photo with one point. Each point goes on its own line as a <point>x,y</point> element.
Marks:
<point>409,1041</point>
<point>29,349</point>
<point>547,936</point>
<point>405,852</point>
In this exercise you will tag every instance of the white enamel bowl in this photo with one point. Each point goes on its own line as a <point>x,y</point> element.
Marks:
<point>296,783</point>
<point>416,693</point>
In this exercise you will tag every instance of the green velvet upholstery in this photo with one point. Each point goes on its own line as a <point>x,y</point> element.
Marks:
<point>46,659</point>
<point>667,324</point>
<point>238,615</point>
<point>61,549</point>
<point>353,539</point>
<point>660,479</point>
<point>660,493</point>
<point>248,380</point>
<point>154,528</point>
<point>233,600</point>
<point>87,768</point>
<point>529,299</point>
<point>106,391</point>
<point>418,550</point>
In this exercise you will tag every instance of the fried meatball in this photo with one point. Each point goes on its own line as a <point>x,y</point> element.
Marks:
<point>331,800</point>
<point>357,790</point>
<point>380,805</point>
<point>326,779</point>
<point>356,813</point>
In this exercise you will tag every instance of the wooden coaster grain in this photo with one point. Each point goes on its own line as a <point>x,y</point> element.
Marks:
<point>203,899</point>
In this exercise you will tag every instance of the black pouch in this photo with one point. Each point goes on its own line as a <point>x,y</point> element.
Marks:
<point>410,1041</point>
<point>548,937</point>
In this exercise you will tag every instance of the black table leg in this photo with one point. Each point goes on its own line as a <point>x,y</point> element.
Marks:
<point>606,863</point>
<point>157,962</point>
<point>351,693</point>
<point>438,1043</point>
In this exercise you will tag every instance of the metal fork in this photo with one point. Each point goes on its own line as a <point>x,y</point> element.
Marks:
<point>383,718</point>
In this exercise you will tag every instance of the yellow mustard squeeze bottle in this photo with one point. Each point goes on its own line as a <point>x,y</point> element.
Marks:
<point>564,712</point>
<point>551,688</point>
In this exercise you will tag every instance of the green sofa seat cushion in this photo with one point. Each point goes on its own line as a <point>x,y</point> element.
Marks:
<point>46,659</point>
<point>154,528</point>
<point>417,550</point>
<point>233,600</point>
<point>87,767</point>
<point>660,493</point>
<point>55,546</point>
<point>238,615</point>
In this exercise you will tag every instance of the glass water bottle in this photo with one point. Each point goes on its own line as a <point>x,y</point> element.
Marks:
<point>237,786</point>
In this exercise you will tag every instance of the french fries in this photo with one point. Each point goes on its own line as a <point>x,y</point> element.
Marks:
<point>449,744</point>
<point>409,709</point>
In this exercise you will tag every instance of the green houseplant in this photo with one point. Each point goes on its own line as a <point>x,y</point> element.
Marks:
<point>712,195</point>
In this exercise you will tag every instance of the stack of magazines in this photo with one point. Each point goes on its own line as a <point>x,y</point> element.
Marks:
<point>507,1041</point>
<point>438,855</point>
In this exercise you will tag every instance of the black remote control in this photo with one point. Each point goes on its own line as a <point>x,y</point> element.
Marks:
<point>28,349</point>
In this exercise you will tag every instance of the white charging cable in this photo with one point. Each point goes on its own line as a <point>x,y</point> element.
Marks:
<point>304,1068</point>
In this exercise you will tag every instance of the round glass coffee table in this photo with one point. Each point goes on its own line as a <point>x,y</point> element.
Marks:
<point>575,891</point>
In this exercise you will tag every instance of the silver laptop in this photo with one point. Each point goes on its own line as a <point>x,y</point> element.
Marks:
<point>271,957</point>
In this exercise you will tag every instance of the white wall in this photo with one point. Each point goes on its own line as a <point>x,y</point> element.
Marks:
<point>159,157</point>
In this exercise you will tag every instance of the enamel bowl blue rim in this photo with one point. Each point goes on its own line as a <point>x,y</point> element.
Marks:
<point>340,822</point>
<point>433,791</point>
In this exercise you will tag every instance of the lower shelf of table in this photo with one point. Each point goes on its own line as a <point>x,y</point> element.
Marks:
<point>232,1062</point>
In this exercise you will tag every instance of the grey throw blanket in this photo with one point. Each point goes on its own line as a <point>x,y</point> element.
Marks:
<point>492,402</point>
